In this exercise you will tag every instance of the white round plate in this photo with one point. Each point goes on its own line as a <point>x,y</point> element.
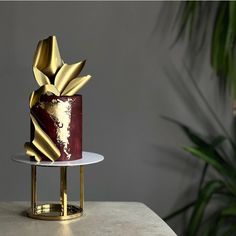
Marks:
<point>87,159</point>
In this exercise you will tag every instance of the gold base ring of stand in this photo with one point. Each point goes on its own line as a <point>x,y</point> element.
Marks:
<point>54,212</point>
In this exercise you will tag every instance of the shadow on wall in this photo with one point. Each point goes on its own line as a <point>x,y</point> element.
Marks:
<point>187,90</point>
<point>171,21</point>
<point>179,161</point>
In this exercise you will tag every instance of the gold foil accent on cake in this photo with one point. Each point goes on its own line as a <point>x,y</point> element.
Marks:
<point>31,150</point>
<point>75,85</point>
<point>60,112</point>
<point>47,57</point>
<point>66,74</point>
<point>43,142</point>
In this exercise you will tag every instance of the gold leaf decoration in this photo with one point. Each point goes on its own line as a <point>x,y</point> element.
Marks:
<point>75,85</point>
<point>40,77</point>
<point>31,150</point>
<point>32,99</point>
<point>47,56</point>
<point>67,73</point>
<point>43,142</point>
<point>45,89</point>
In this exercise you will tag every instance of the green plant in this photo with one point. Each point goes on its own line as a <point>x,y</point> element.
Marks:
<point>214,21</point>
<point>220,190</point>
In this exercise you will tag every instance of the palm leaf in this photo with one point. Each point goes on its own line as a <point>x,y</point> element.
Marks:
<point>218,140</point>
<point>223,41</point>
<point>213,158</point>
<point>209,156</point>
<point>231,40</point>
<point>223,34</point>
<point>230,210</point>
<point>203,175</point>
<point>213,224</point>
<point>194,136</point>
<point>231,231</point>
<point>185,10</point>
<point>218,59</point>
<point>210,109</point>
<point>180,210</point>
<point>205,196</point>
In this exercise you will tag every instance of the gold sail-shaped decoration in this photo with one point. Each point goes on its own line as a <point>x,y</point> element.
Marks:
<point>47,57</point>
<point>40,77</point>
<point>45,89</point>
<point>75,85</point>
<point>43,142</point>
<point>54,77</point>
<point>31,150</point>
<point>66,74</point>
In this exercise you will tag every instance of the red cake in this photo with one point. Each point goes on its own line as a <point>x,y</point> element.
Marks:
<point>60,117</point>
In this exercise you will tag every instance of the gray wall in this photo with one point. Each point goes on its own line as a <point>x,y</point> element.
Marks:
<point>127,47</point>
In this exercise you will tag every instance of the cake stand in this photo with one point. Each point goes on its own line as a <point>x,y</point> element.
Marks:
<point>62,210</point>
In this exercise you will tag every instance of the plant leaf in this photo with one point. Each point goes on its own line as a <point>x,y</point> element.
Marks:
<point>218,140</point>
<point>180,211</point>
<point>209,156</point>
<point>203,174</point>
<point>219,59</point>
<point>195,137</point>
<point>192,135</point>
<point>213,224</point>
<point>205,196</point>
<point>213,158</point>
<point>230,45</point>
<point>231,231</point>
<point>230,210</point>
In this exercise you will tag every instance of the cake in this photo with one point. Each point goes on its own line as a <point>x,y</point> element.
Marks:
<point>55,108</point>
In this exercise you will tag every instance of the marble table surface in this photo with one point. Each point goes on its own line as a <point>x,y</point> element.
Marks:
<point>100,218</point>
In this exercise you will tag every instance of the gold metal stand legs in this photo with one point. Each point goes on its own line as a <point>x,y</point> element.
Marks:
<point>81,187</point>
<point>33,188</point>
<point>53,211</point>
<point>63,191</point>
